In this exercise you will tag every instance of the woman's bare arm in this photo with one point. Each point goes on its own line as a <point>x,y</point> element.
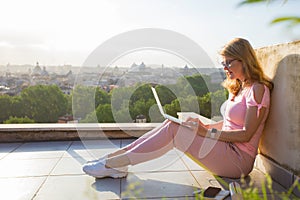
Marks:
<point>252,121</point>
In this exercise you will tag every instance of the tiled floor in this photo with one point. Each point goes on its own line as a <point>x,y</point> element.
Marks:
<point>52,170</point>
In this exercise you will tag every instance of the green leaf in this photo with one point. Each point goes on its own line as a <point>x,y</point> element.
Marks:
<point>292,20</point>
<point>245,2</point>
<point>253,2</point>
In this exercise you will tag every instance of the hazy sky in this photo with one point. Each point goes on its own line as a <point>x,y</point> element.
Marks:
<point>58,32</point>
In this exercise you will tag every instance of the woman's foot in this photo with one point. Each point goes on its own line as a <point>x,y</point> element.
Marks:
<point>97,160</point>
<point>98,169</point>
<point>116,153</point>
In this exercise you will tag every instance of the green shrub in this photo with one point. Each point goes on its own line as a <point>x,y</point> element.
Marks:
<point>18,120</point>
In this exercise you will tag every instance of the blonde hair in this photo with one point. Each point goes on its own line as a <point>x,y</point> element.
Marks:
<point>242,50</point>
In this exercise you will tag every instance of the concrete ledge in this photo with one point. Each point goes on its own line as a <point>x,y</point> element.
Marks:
<point>280,140</point>
<point>56,132</point>
<point>278,173</point>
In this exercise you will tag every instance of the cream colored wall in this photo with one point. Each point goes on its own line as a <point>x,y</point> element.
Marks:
<point>281,138</point>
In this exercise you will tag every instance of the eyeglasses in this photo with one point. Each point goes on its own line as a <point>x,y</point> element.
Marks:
<point>228,63</point>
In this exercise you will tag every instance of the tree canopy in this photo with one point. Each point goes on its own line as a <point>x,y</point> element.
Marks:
<point>40,103</point>
<point>46,103</point>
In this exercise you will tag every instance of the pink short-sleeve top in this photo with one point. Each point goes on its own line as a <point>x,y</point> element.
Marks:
<point>235,114</point>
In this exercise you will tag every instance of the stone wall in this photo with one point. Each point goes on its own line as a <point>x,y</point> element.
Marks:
<point>281,138</point>
<point>57,132</point>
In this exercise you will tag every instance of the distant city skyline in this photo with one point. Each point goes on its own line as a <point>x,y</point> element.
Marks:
<point>63,69</point>
<point>65,32</point>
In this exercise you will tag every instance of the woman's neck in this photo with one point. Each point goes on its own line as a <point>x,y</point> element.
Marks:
<point>245,83</point>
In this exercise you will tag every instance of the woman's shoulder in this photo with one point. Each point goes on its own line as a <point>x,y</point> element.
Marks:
<point>258,90</point>
<point>258,87</point>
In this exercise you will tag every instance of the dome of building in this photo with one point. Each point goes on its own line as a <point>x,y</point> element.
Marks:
<point>37,70</point>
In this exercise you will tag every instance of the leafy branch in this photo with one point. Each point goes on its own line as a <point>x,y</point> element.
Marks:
<point>291,20</point>
<point>244,2</point>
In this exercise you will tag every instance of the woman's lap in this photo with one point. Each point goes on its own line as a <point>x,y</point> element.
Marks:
<point>221,158</point>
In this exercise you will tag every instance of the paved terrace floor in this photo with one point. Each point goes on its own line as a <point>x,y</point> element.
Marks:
<point>52,170</point>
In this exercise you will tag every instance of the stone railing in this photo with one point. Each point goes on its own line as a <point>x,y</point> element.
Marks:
<point>280,143</point>
<point>56,132</point>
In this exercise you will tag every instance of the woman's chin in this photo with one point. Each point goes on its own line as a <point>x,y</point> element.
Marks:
<point>231,77</point>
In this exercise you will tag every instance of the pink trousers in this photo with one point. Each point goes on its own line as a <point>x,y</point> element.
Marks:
<point>220,158</point>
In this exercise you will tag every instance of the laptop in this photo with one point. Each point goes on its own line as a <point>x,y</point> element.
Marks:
<point>161,110</point>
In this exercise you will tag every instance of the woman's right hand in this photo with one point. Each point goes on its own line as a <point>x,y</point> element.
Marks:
<point>196,125</point>
<point>195,122</point>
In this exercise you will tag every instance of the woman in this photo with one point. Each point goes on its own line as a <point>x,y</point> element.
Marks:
<point>233,141</point>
